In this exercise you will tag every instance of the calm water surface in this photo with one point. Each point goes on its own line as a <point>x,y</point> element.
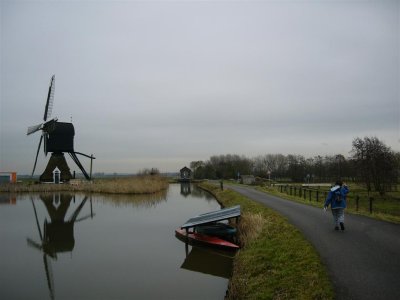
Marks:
<point>66,246</point>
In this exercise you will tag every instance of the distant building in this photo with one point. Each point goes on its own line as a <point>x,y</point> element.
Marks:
<point>186,174</point>
<point>247,179</point>
<point>8,177</point>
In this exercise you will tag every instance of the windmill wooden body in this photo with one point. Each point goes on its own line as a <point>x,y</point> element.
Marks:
<point>58,138</point>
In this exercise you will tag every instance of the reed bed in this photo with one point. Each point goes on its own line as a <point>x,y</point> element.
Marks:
<point>124,185</point>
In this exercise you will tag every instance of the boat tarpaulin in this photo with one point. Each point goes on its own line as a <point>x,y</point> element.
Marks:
<point>214,216</point>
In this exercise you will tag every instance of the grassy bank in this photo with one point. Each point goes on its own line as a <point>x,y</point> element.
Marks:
<point>124,185</point>
<point>275,261</point>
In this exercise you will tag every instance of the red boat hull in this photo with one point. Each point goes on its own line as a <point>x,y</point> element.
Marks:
<point>204,239</point>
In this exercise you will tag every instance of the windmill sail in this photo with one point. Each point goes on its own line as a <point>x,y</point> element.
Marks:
<point>37,154</point>
<point>34,128</point>
<point>48,108</point>
<point>50,99</point>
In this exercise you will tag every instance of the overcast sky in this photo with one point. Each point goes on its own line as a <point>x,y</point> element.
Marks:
<point>163,83</point>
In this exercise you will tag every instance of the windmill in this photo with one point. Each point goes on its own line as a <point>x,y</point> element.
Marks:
<point>58,139</point>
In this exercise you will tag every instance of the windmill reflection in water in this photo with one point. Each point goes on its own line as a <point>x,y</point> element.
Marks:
<point>58,234</point>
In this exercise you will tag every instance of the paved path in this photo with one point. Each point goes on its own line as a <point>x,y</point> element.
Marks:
<point>363,261</point>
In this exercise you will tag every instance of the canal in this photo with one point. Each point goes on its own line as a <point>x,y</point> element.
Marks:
<point>77,246</point>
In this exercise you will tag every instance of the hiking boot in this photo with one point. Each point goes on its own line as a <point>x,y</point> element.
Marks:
<point>341,226</point>
<point>336,227</point>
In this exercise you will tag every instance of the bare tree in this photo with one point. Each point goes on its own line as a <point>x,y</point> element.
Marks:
<point>376,163</point>
<point>197,168</point>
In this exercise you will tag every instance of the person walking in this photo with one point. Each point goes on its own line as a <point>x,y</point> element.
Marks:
<point>337,200</point>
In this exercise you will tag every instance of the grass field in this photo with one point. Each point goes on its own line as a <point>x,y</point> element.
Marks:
<point>359,201</point>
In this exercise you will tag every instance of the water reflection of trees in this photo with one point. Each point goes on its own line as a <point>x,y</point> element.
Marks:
<point>123,200</point>
<point>194,191</point>
<point>200,193</point>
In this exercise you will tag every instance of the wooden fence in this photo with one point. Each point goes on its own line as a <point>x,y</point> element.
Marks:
<point>315,194</point>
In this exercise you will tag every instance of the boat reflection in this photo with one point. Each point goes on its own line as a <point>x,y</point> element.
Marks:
<point>57,235</point>
<point>209,261</point>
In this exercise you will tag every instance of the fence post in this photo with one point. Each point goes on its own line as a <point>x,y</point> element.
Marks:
<point>304,194</point>
<point>357,199</point>
<point>317,195</point>
<point>309,195</point>
<point>370,204</point>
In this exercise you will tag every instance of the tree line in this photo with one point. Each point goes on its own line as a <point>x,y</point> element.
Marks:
<point>371,163</point>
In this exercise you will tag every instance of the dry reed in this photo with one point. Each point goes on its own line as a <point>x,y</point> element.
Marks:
<point>250,227</point>
<point>125,185</point>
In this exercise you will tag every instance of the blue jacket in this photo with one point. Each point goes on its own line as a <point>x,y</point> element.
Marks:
<point>331,198</point>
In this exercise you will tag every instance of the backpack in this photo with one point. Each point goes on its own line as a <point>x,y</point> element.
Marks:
<point>337,196</point>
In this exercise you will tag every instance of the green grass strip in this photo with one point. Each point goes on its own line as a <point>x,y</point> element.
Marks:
<point>275,261</point>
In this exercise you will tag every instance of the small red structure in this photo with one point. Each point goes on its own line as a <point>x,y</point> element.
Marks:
<point>8,177</point>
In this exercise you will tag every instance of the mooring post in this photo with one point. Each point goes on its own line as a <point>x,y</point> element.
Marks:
<point>187,249</point>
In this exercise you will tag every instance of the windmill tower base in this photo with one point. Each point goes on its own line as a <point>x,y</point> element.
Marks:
<point>57,160</point>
